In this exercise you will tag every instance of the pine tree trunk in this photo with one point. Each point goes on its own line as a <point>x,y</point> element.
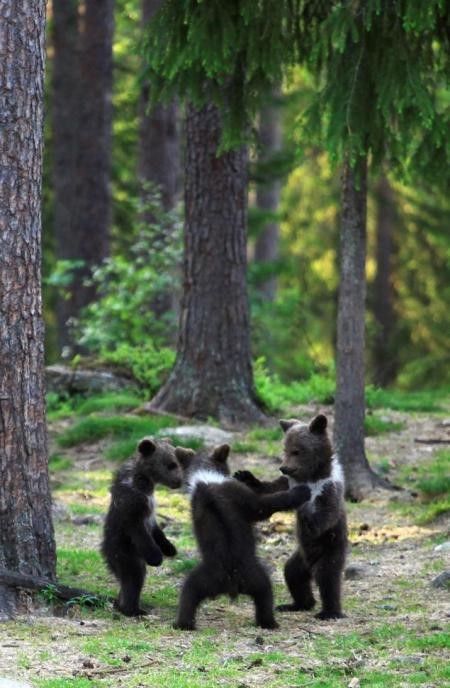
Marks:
<point>26,532</point>
<point>92,121</point>
<point>158,135</point>
<point>268,196</point>
<point>385,359</point>
<point>158,162</point>
<point>65,130</point>
<point>350,399</point>
<point>212,375</point>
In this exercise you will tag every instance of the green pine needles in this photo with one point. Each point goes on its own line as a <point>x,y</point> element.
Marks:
<point>380,68</point>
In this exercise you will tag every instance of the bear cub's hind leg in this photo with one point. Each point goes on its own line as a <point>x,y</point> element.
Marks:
<point>298,579</point>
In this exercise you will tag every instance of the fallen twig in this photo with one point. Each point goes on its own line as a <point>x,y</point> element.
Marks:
<point>431,440</point>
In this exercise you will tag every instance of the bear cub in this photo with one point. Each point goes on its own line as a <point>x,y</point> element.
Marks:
<point>223,513</point>
<point>132,537</point>
<point>321,521</point>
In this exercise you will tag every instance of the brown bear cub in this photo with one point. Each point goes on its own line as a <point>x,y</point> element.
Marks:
<point>321,521</point>
<point>132,537</point>
<point>223,513</point>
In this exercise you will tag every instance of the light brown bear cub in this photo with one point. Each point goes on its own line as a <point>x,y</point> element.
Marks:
<point>321,521</point>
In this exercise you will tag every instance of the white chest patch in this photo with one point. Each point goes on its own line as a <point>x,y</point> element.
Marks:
<point>205,475</point>
<point>336,476</point>
<point>151,520</point>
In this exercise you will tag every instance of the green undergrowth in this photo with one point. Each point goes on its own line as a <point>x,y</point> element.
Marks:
<point>279,396</point>
<point>430,480</point>
<point>375,425</point>
<point>96,427</point>
<point>59,407</point>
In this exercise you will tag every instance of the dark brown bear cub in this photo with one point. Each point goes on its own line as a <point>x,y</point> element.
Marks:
<point>223,513</point>
<point>132,537</point>
<point>321,521</point>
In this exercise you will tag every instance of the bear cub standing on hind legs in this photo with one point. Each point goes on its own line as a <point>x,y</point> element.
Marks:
<point>132,537</point>
<point>223,513</point>
<point>321,521</point>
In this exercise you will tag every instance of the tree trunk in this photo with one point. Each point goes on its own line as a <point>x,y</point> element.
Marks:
<point>92,121</point>
<point>65,101</point>
<point>158,163</point>
<point>350,401</point>
<point>212,375</point>
<point>385,359</point>
<point>268,196</point>
<point>158,136</point>
<point>26,532</point>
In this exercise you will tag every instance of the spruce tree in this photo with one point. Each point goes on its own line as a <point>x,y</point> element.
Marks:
<point>379,66</point>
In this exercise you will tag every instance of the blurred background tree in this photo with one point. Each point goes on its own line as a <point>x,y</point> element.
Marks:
<point>296,133</point>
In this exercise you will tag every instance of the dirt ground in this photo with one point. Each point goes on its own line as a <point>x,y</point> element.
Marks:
<point>393,609</point>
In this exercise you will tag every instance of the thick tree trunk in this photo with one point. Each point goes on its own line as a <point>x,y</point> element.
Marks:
<point>350,401</point>
<point>158,135</point>
<point>158,162</point>
<point>385,359</point>
<point>65,102</point>
<point>212,375</point>
<point>26,532</point>
<point>91,122</point>
<point>268,196</point>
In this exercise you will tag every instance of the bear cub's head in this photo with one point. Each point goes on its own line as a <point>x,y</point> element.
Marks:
<point>158,462</point>
<point>213,460</point>
<point>307,450</point>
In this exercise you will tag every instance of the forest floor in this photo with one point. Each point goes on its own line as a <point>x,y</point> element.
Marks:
<point>397,628</point>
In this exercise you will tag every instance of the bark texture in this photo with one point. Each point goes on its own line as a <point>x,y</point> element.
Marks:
<point>268,196</point>
<point>350,400</point>
<point>65,131</point>
<point>385,358</point>
<point>83,53</point>
<point>158,159</point>
<point>158,135</point>
<point>212,375</point>
<point>26,532</point>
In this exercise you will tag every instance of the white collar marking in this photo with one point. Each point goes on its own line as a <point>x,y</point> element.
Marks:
<point>336,476</point>
<point>205,475</point>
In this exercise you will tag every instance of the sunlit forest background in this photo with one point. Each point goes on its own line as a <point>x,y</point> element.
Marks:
<point>293,288</point>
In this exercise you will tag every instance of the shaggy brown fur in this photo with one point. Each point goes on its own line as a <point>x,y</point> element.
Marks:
<point>321,521</point>
<point>132,537</point>
<point>223,513</point>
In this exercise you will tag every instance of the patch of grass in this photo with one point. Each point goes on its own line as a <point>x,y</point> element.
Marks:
<point>59,463</point>
<point>119,451</point>
<point>244,447</point>
<point>180,566</point>
<point>398,400</point>
<point>374,425</point>
<point>107,402</point>
<point>431,479</point>
<point>78,509</point>
<point>439,640</point>
<point>67,683</point>
<point>95,428</point>
<point>266,434</point>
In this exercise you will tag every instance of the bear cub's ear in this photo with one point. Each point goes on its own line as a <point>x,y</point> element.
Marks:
<point>146,447</point>
<point>184,456</point>
<point>220,454</point>
<point>318,424</point>
<point>287,424</point>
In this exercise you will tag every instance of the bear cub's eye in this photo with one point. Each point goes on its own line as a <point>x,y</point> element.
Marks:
<point>172,466</point>
<point>295,452</point>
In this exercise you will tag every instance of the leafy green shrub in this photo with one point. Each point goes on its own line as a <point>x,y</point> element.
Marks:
<point>277,395</point>
<point>148,363</point>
